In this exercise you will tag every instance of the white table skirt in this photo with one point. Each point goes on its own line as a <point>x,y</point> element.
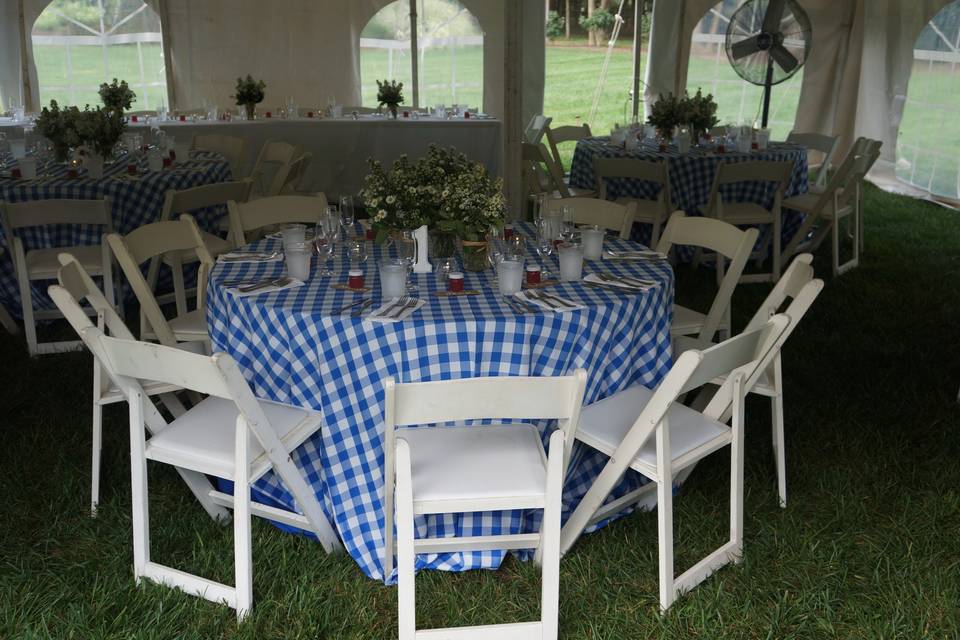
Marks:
<point>342,146</point>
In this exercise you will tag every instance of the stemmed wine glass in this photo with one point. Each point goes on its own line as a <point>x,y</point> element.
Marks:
<point>568,231</point>
<point>347,214</point>
<point>406,245</point>
<point>326,234</point>
<point>544,244</point>
<point>496,249</point>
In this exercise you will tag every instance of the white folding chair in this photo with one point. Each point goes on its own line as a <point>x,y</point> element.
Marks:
<point>42,264</point>
<point>188,201</point>
<point>448,469</point>
<point>81,288</point>
<point>614,216</point>
<point>107,391</point>
<point>8,322</point>
<point>729,243</point>
<point>231,434</point>
<point>799,286</point>
<point>652,212</point>
<point>289,179</point>
<point>145,244</point>
<point>247,217</point>
<point>819,143</point>
<point>543,175</point>
<point>232,148</point>
<point>273,157</point>
<point>567,133</point>
<point>536,128</point>
<point>654,435</point>
<point>750,213</point>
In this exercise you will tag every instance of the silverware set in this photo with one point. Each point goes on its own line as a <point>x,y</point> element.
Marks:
<point>246,256</point>
<point>549,300</point>
<point>622,283</point>
<point>397,308</point>
<point>263,284</point>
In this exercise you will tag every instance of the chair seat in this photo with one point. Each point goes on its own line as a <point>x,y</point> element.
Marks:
<point>215,245</point>
<point>743,213</point>
<point>804,203</point>
<point>204,438</point>
<point>42,264</point>
<point>604,425</point>
<point>686,321</point>
<point>763,385</point>
<point>190,326</point>
<point>476,468</point>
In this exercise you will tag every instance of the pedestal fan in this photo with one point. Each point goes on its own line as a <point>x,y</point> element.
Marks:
<point>767,43</point>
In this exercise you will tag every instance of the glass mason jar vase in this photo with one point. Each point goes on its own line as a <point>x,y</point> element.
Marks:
<point>474,255</point>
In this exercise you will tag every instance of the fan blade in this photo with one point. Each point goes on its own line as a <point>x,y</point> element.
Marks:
<point>787,61</point>
<point>771,20</point>
<point>744,48</point>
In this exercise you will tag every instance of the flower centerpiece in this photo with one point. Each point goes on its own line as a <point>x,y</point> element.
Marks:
<point>665,114</point>
<point>390,93</point>
<point>456,198</point>
<point>60,128</point>
<point>249,94</point>
<point>700,111</point>
<point>117,95</point>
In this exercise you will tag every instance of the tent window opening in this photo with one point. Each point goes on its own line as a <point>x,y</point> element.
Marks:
<point>738,101</point>
<point>78,44</point>
<point>929,133</point>
<point>449,53</point>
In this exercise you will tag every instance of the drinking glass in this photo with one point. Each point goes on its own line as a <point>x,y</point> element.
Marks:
<point>571,262</point>
<point>406,245</point>
<point>568,230</point>
<point>297,258</point>
<point>544,244</point>
<point>325,246</point>
<point>347,214</point>
<point>495,249</point>
<point>510,277</point>
<point>393,277</point>
<point>357,250</point>
<point>515,248</point>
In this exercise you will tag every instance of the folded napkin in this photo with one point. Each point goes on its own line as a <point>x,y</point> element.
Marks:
<point>627,283</point>
<point>250,256</point>
<point>269,286</point>
<point>548,301</point>
<point>391,311</point>
<point>639,254</point>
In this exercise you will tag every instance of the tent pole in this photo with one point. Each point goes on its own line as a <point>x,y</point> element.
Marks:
<point>164,12</point>
<point>637,45</point>
<point>25,87</point>
<point>767,90</point>
<point>414,54</point>
<point>513,108</point>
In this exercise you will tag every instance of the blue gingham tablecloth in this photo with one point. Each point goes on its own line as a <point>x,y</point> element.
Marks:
<point>691,178</point>
<point>293,350</point>
<point>133,202</point>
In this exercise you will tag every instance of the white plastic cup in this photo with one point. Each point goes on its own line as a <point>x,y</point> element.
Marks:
<point>510,276</point>
<point>297,257</point>
<point>18,148</point>
<point>154,160</point>
<point>293,233</point>
<point>763,138</point>
<point>393,279</point>
<point>571,263</point>
<point>28,168</point>
<point>592,242</point>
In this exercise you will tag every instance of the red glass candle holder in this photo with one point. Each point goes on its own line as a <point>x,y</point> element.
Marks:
<point>721,148</point>
<point>355,279</point>
<point>269,114</point>
<point>183,118</point>
<point>371,234</point>
<point>309,114</point>
<point>455,282</point>
<point>132,169</point>
<point>754,146</point>
<point>16,174</point>
<point>173,155</point>
<point>134,119</point>
<point>72,173</point>
<point>167,163</point>
<point>406,114</point>
<point>466,115</point>
<point>533,275</point>
<point>663,148</point>
<point>507,231</point>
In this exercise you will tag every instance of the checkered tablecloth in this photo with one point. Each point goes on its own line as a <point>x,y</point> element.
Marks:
<point>293,350</point>
<point>691,178</point>
<point>133,202</point>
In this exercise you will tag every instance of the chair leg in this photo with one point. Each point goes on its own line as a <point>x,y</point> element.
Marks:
<point>29,322</point>
<point>179,290</point>
<point>406,555</point>
<point>96,449</point>
<point>835,240</point>
<point>242,552</point>
<point>138,479</point>
<point>550,541</point>
<point>665,541</point>
<point>779,451</point>
<point>8,322</point>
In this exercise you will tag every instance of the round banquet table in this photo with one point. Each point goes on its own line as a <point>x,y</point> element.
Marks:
<point>134,201</point>
<point>294,349</point>
<point>691,177</point>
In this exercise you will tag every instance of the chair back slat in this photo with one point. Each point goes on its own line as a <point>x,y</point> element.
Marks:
<point>155,239</point>
<point>257,214</point>
<point>605,169</point>
<point>288,177</point>
<point>603,213</point>
<point>754,171</point>
<point>36,213</point>
<point>789,286</point>
<point>204,197</point>
<point>736,352</point>
<point>566,133</point>
<point>76,282</point>
<point>709,233</point>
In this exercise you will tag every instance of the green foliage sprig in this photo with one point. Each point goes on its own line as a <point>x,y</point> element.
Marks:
<point>389,93</point>
<point>68,128</point>
<point>117,95</point>
<point>249,91</point>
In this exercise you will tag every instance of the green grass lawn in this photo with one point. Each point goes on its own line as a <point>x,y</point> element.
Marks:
<point>868,548</point>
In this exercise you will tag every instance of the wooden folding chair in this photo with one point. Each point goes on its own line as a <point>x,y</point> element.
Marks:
<point>42,264</point>
<point>477,468</point>
<point>799,286</point>
<point>567,133</point>
<point>274,156</point>
<point>729,243</point>
<point>652,212</point>
<point>250,217</point>
<point>289,179</point>
<point>543,175</point>
<point>536,128</point>
<point>603,213</point>
<point>820,143</point>
<point>654,435</point>
<point>231,434</point>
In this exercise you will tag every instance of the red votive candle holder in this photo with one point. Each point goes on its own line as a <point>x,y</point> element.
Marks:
<point>183,118</point>
<point>507,231</point>
<point>533,274</point>
<point>455,281</point>
<point>71,173</point>
<point>663,148</point>
<point>721,148</point>
<point>269,115</point>
<point>167,163</point>
<point>309,114</point>
<point>466,115</point>
<point>406,114</point>
<point>132,169</point>
<point>355,279</point>
<point>754,146</point>
<point>371,234</point>
<point>16,174</point>
<point>172,155</point>
<point>134,118</point>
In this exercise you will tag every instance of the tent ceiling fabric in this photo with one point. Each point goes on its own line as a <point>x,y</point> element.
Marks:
<point>307,49</point>
<point>855,80</point>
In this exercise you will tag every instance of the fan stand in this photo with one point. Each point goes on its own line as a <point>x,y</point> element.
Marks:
<point>767,90</point>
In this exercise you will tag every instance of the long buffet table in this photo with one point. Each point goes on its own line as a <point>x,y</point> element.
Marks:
<point>341,147</point>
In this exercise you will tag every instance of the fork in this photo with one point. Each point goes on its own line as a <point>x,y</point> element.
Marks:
<point>388,312</point>
<point>411,302</point>
<point>277,282</point>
